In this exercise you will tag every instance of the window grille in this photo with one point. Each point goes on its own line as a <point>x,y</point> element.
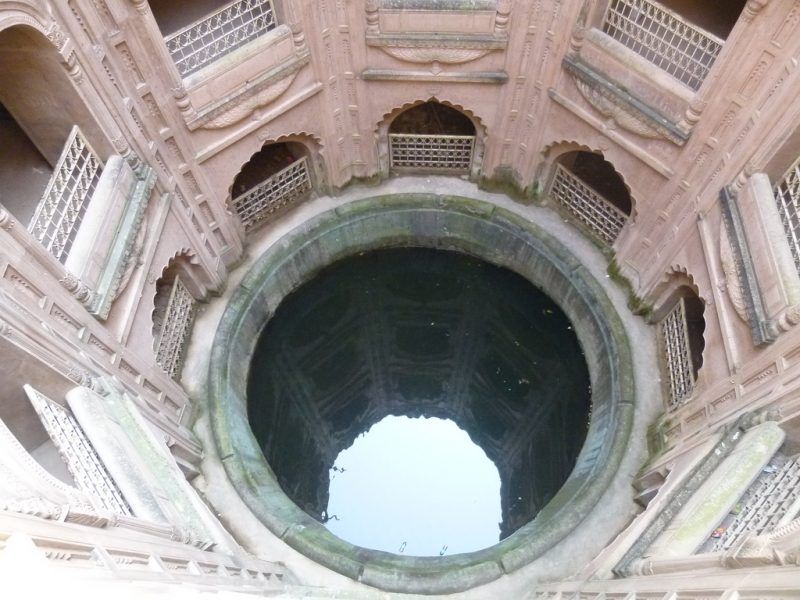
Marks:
<point>767,505</point>
<point>273,193</point>
<point>88,471</point>
<point>62,207</point>
<point>674,335</point>
<point>418,151</point>
<point>220,33</point>
<point>787,196</point>
<point>175,329</point>
<point>663,38</point>
<point>590,208</point>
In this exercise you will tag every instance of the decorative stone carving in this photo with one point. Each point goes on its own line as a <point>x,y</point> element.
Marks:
<point>733,282</point>
<point>259,93</point>
<point>627,111</point>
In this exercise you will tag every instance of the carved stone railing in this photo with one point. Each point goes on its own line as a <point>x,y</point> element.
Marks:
<point>272,194</point>
<point>220,33</point>
<point>435,152</point>
<point>588,206</point>
<point>787,196</point>
<point>62,207</point>
<point>674,337</point>
<point>175,329</point>
<point>664,38</point>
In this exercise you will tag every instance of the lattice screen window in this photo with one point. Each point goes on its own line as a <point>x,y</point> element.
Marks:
<point>175,328</point>
<point>417,151</point>
<point>272,194</point>
<point>220,33</point>
<point>787,196</point>
<point>62,207</point>
<point>590,208</point>
<point>664,38</point>
<point>674,338</point>
<point>85,466</point>
<point>771,502</point>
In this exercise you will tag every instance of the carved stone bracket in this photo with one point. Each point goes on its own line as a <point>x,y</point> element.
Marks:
<point>77,288</point>
<point>624,109</point>
<point>257,93</point>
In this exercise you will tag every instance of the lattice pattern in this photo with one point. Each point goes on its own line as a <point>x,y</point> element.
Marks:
<point>272,194</point>
<point>446,152</point>
<point>84,464</point>
<point>175,329</point>
<point>766,505</point>
<point>224,31</point>
<point>590,208</point>
<point>787,195</point>
<point>62,207</point>
<point>675,345</point>
<point>663,38</point>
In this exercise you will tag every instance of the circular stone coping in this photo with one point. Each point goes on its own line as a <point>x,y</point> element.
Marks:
<point>455,223</point>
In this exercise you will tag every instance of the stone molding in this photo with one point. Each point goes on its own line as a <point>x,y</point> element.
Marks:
<point>442,48</point>
<point>623,108</point>
<point>253,95</point>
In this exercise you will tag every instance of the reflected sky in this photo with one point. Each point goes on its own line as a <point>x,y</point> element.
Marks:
<point>415,486</point>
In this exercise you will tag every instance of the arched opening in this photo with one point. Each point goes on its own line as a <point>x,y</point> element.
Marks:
<point>680,333</point>
<point>174,310</point>
<point>274,178</point>
<point>681,37</point>
<point>432,137</point>
<point>48,167</point>
<point>198,32</point>
<point>590,190</point>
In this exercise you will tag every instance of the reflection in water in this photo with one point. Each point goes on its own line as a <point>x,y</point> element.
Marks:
<point>420,333</point>
<point>419,487</point>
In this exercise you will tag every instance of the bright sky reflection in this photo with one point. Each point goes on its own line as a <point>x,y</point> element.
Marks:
<point>418,487</point>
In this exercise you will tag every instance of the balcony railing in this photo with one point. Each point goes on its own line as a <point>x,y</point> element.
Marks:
<point>220,33</point>
<point>590,208</point>
<point>787,196</point>
<point>664,38</point>
<point>674,334</point>
<point>435,152</point>
<point>272,194</point>
<point>63,205</point>
<point>175,329</point>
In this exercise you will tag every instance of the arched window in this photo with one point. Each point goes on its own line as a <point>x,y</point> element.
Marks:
<point>432,137</point>
<point>173,316</point>
<point>275,177</point>
<point>198,32</point>
<point>681,37</point>
<point>680,335</point>
<point>590,189</point>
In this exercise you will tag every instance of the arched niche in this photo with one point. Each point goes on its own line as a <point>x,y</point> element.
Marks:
<point>431,136</point>
<point>681,326</point>
<point>275,177</point>
<point>174,305</point>
<point>592,192</point>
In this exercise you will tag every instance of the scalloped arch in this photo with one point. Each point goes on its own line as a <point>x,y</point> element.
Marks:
<point>558,148</point>
<point>388,117</point>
